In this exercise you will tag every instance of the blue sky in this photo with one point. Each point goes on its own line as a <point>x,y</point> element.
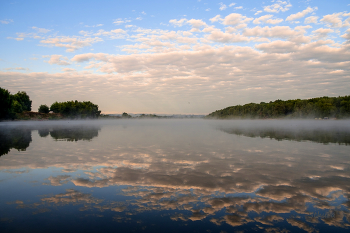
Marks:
<point>174,56</point>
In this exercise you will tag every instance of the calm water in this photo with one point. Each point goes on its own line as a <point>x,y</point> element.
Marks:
<point>175,176</point>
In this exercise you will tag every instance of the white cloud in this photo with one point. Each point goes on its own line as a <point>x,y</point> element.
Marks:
<point>235,19</point>
<point>222,6</point>
<point>68,70</point>
<point>232,4</point>
<point>311,19</point>
<point>113,34</point>
<point>301,14</point>
<point>322,32</point>
<point>197,23</point>
<point>333,20</point>
<point>36,35</point>
<point>139,18</point>
<point>224,37</point>
<point>121,21</point>
<point>346,35</point>
<point>275,32</point>
<point>17,68</point>
<point>70,43</point>
<point>208,9</point>
<point>239,7</point>
<point>144,13</point>
<point>41,30</point>
<point>171,59</point>
<point>85,33</point>
<point>134,63</point>
<point>274,21</point>
<point>18,38</point>
<point>6,21</point>
<point>258,12</point>
<point>175,74</point>
<point>278,47</point>
<point>178,23</point>
<point>267,19</point>
<point>278,6</point>
<point>216,19</point>
<point>93,26</point>
<point>187,33</point>
<point>84,57</point>
<point>58,60</point>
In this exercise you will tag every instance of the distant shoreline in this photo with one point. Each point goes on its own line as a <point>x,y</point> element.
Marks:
<point>37,116</point>
<point>315,108</point>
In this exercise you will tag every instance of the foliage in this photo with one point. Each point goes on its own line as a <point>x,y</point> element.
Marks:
<point>151,116</point>
<point>55,107</point>
<point>16,107</point>
<point>24,100</point>
<point>76,109</point>
<point>19,106</point>
<point>10,105</point>
<point>338,107</point>
<point>5,103</point>
<point>125,115</point>
<point>43,109</point>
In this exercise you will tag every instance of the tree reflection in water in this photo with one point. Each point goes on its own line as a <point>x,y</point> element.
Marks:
<point>327,135</point>
<point>187,175</point>
<point>20,137</point>
<point>74,133</point>
<point>17,138</point>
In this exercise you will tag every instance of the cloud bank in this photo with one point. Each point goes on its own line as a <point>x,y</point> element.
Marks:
<point>224,59</point>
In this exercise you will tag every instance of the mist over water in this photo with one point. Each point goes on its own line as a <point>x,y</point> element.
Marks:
<point>322,131</point>
<point>139,175</point>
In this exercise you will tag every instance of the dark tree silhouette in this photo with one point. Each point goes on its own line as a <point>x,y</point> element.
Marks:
<point>44,109</point>
<point>321,107</point>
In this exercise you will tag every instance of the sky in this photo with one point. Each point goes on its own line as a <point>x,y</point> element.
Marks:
<point>174,56</point>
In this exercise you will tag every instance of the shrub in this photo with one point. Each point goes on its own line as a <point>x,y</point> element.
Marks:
<point>44,109</point>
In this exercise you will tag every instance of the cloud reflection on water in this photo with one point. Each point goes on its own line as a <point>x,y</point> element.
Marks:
<point>199,173</point>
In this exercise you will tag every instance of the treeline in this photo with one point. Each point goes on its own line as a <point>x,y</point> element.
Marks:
<point>331,107</point>
<point>76,109</point>
<point>12,104</point>
<point>19,105</point>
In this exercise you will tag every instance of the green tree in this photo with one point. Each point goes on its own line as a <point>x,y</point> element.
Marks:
<point>55,107</point>
<point>17,107</point>
<point>125,115</point>
<point>5,103</point>
<point>76,109</point>
<point>321,107</point>
<point>43,109</point>
<point>24,100</point>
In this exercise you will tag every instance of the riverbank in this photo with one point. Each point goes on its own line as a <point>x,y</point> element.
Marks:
<point>29,115</point>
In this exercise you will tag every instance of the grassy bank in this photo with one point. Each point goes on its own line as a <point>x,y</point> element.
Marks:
<point>28,115</point>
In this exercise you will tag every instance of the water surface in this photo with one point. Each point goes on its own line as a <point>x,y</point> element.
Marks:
<point>175,175</point>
